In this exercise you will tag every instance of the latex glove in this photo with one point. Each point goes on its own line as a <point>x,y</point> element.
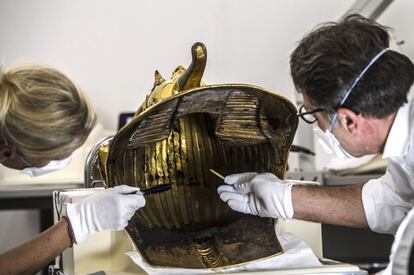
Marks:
<point>264,195</point>
<point>110,209</point>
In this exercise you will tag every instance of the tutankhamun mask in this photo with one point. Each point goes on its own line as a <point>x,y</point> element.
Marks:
<point>183,129</point>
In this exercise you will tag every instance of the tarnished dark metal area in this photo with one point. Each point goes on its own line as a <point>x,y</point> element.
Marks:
<point>156,126</point>
<point>182,130</point>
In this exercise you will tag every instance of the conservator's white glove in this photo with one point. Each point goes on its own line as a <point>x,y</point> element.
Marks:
<point>264,195</point>
<point>110,209</point>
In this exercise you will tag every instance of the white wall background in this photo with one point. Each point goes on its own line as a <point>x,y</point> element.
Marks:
<point>111,48</point>
<point>398,16</point>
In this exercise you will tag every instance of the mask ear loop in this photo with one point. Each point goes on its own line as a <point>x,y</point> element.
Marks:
<point>376,57</point>
<point>15,153</point>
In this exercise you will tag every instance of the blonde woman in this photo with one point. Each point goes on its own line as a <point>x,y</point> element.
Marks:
<point>43,119</point>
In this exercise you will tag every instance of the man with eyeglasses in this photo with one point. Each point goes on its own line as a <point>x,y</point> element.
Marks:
<point>357,92</point>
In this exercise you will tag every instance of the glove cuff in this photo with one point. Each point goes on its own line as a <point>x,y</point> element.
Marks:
<point>80,234</point>
<point>287,201</point>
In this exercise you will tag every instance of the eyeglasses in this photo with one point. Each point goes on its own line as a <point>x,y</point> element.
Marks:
<point>308,116</point>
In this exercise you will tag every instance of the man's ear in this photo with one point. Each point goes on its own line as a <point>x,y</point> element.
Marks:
<point>5,152</point>
<point>348,119</point>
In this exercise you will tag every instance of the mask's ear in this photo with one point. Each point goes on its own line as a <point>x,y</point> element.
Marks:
<point>348,119</point>
<point>5,152</point>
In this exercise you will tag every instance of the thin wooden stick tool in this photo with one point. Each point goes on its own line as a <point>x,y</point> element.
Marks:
<point>217,174</point>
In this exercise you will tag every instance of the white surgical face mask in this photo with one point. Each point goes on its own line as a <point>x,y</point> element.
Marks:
<point>52,166</point>
<point>330,144</point>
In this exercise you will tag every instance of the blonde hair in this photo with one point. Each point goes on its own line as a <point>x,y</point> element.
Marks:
<point>42,113</point>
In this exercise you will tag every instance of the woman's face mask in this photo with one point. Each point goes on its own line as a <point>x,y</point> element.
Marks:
<point>330,144</point>
<point>52,166</point>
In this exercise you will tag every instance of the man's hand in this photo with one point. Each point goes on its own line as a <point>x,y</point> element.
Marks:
<point>264,195</point>
<point>110,209</point>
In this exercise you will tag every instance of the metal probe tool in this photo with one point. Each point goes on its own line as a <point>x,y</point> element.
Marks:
<point>155,189</point>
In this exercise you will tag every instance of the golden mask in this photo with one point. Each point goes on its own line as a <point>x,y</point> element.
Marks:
<point>183,129</point>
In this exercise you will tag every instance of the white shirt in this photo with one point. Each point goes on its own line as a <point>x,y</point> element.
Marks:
<point>401,248</point>
<point>388,199</point>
